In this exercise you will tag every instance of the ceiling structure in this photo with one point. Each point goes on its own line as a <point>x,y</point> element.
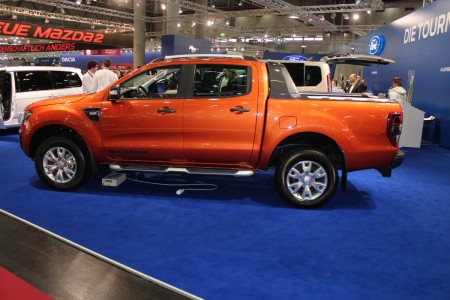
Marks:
<point>241,25</point>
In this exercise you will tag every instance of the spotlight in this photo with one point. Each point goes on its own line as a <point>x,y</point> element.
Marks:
<point>321,17</point>
<point>88,2</point>
<point>47,21</point>
<point>163,6</point>
<point>346,16</point>
<point>355,16</point>
<point>227,22</point>
<point>333,15</point>
<point>14,17</point>
<point>78,2</point>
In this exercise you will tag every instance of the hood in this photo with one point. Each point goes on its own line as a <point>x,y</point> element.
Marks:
<point>399,90</point>
<point>59,100</point>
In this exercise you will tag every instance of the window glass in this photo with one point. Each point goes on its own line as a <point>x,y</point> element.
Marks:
<point>64,79</point>
<point>33,81</point>
<point>313,75</point>
<point>297,72</point>
<point>160,82</point>
<point>221,80</point>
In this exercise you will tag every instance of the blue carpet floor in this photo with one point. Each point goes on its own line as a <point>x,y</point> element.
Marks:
<point>385,238</point>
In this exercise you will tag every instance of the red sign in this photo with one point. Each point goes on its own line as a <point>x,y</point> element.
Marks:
<point>109,52</point>
<point>61,34</point>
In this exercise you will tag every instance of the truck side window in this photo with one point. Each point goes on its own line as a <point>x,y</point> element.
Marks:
<point>33,81</point>
<point>160,82</point>
<point>313,75</point>
<point>221,80</point>
<point>62,79</point>
<point>297,72</point>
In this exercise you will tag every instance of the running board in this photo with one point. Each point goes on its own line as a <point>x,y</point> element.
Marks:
<point>197,171</point>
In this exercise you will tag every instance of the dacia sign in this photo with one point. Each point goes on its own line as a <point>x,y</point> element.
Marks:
<point>376,45</point>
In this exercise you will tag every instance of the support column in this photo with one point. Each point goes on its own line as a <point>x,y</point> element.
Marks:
<point>139,33</point>
<point>200,29</point>
<point>170,26</point>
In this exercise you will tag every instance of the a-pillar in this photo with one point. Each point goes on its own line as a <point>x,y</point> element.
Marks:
<point>139,33</point>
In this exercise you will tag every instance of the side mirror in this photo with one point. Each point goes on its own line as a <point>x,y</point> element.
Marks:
<point>114,93</point>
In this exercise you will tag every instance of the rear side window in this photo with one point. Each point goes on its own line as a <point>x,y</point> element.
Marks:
<point>65,79</point>
<point>27,81</point>
<point>221,80</point>
<point>313,75</point>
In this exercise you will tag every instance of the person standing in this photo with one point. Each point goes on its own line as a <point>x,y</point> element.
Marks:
<point>350,83</point>
<point>88,77</point>
<point>104,77</point>
<point>397,92</point>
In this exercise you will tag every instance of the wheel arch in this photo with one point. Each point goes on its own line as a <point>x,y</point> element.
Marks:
<point>311,141</point>
<point>64,131</point>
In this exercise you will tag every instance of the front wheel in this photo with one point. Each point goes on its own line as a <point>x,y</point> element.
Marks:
<point>61,164</point>
<point>306,178</point>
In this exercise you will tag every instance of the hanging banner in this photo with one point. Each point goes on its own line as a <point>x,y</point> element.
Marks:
<point>55,33</point>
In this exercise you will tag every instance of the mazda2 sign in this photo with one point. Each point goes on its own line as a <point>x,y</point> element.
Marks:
<point>376,45</point>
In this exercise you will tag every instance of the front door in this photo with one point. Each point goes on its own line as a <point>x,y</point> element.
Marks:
<point>145,123</point>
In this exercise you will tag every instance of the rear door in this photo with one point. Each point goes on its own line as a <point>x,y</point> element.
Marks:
<point>219,122</point>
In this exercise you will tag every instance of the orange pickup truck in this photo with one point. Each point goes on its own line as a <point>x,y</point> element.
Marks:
<point>230,116</point>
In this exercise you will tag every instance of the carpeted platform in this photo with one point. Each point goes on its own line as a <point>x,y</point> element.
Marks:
<point>385,238</point>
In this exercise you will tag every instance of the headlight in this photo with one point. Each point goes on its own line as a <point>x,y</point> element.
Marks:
<point>26,115</point>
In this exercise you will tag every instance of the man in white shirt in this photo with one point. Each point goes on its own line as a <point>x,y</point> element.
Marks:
<point>104,77</point>
<point>88,77</point>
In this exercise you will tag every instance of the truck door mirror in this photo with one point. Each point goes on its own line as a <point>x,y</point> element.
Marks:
<point>114,93</point>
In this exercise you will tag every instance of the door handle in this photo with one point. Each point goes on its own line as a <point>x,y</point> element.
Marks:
<point>166,110</point>
<point>239,109</point>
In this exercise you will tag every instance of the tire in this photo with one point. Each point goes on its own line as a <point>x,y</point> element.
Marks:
<point>306,179</point>
<point>61,164</point>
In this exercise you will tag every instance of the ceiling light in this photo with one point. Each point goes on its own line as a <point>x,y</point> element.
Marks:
<point>355,16</point>
<point>240,3</point>
<point>227,22</point>
<point>333,15</point>
<point>321,17</point>
<point>303,46</point>
<point>163,6</point>
<point>357,1</point>
<point>193,24</point>
<point>78,2</point>
<point>293,17</point>
<point>310,18</point>
<point>88,2</point>
<point>47,21</point>
<point>178,25</point>
<point>180,11</point>
<point>14,17</point>
<point>346,16</point>
<point>369,11</point>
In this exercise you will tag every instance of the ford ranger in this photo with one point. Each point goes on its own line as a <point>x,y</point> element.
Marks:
<point>229,115</point>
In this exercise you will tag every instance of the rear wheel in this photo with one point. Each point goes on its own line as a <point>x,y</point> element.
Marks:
<point>306,178</point>
<point>61,164</point>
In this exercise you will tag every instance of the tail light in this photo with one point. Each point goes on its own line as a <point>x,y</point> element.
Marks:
<point>394,128</point>
<point>329,83</point>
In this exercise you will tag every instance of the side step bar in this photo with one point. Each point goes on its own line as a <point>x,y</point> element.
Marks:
<point>197,171</point>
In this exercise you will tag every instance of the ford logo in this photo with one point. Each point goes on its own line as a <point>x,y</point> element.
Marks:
<point>376,45</point>
<point>295,57</point>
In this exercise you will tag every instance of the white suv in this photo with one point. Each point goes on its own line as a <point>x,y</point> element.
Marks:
<point>20,86</point>
<point>309,76</point>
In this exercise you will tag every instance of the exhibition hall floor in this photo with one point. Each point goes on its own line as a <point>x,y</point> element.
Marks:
<point>384,238</point>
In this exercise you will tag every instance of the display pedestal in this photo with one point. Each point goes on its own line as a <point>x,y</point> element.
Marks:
<point>412,127</point>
